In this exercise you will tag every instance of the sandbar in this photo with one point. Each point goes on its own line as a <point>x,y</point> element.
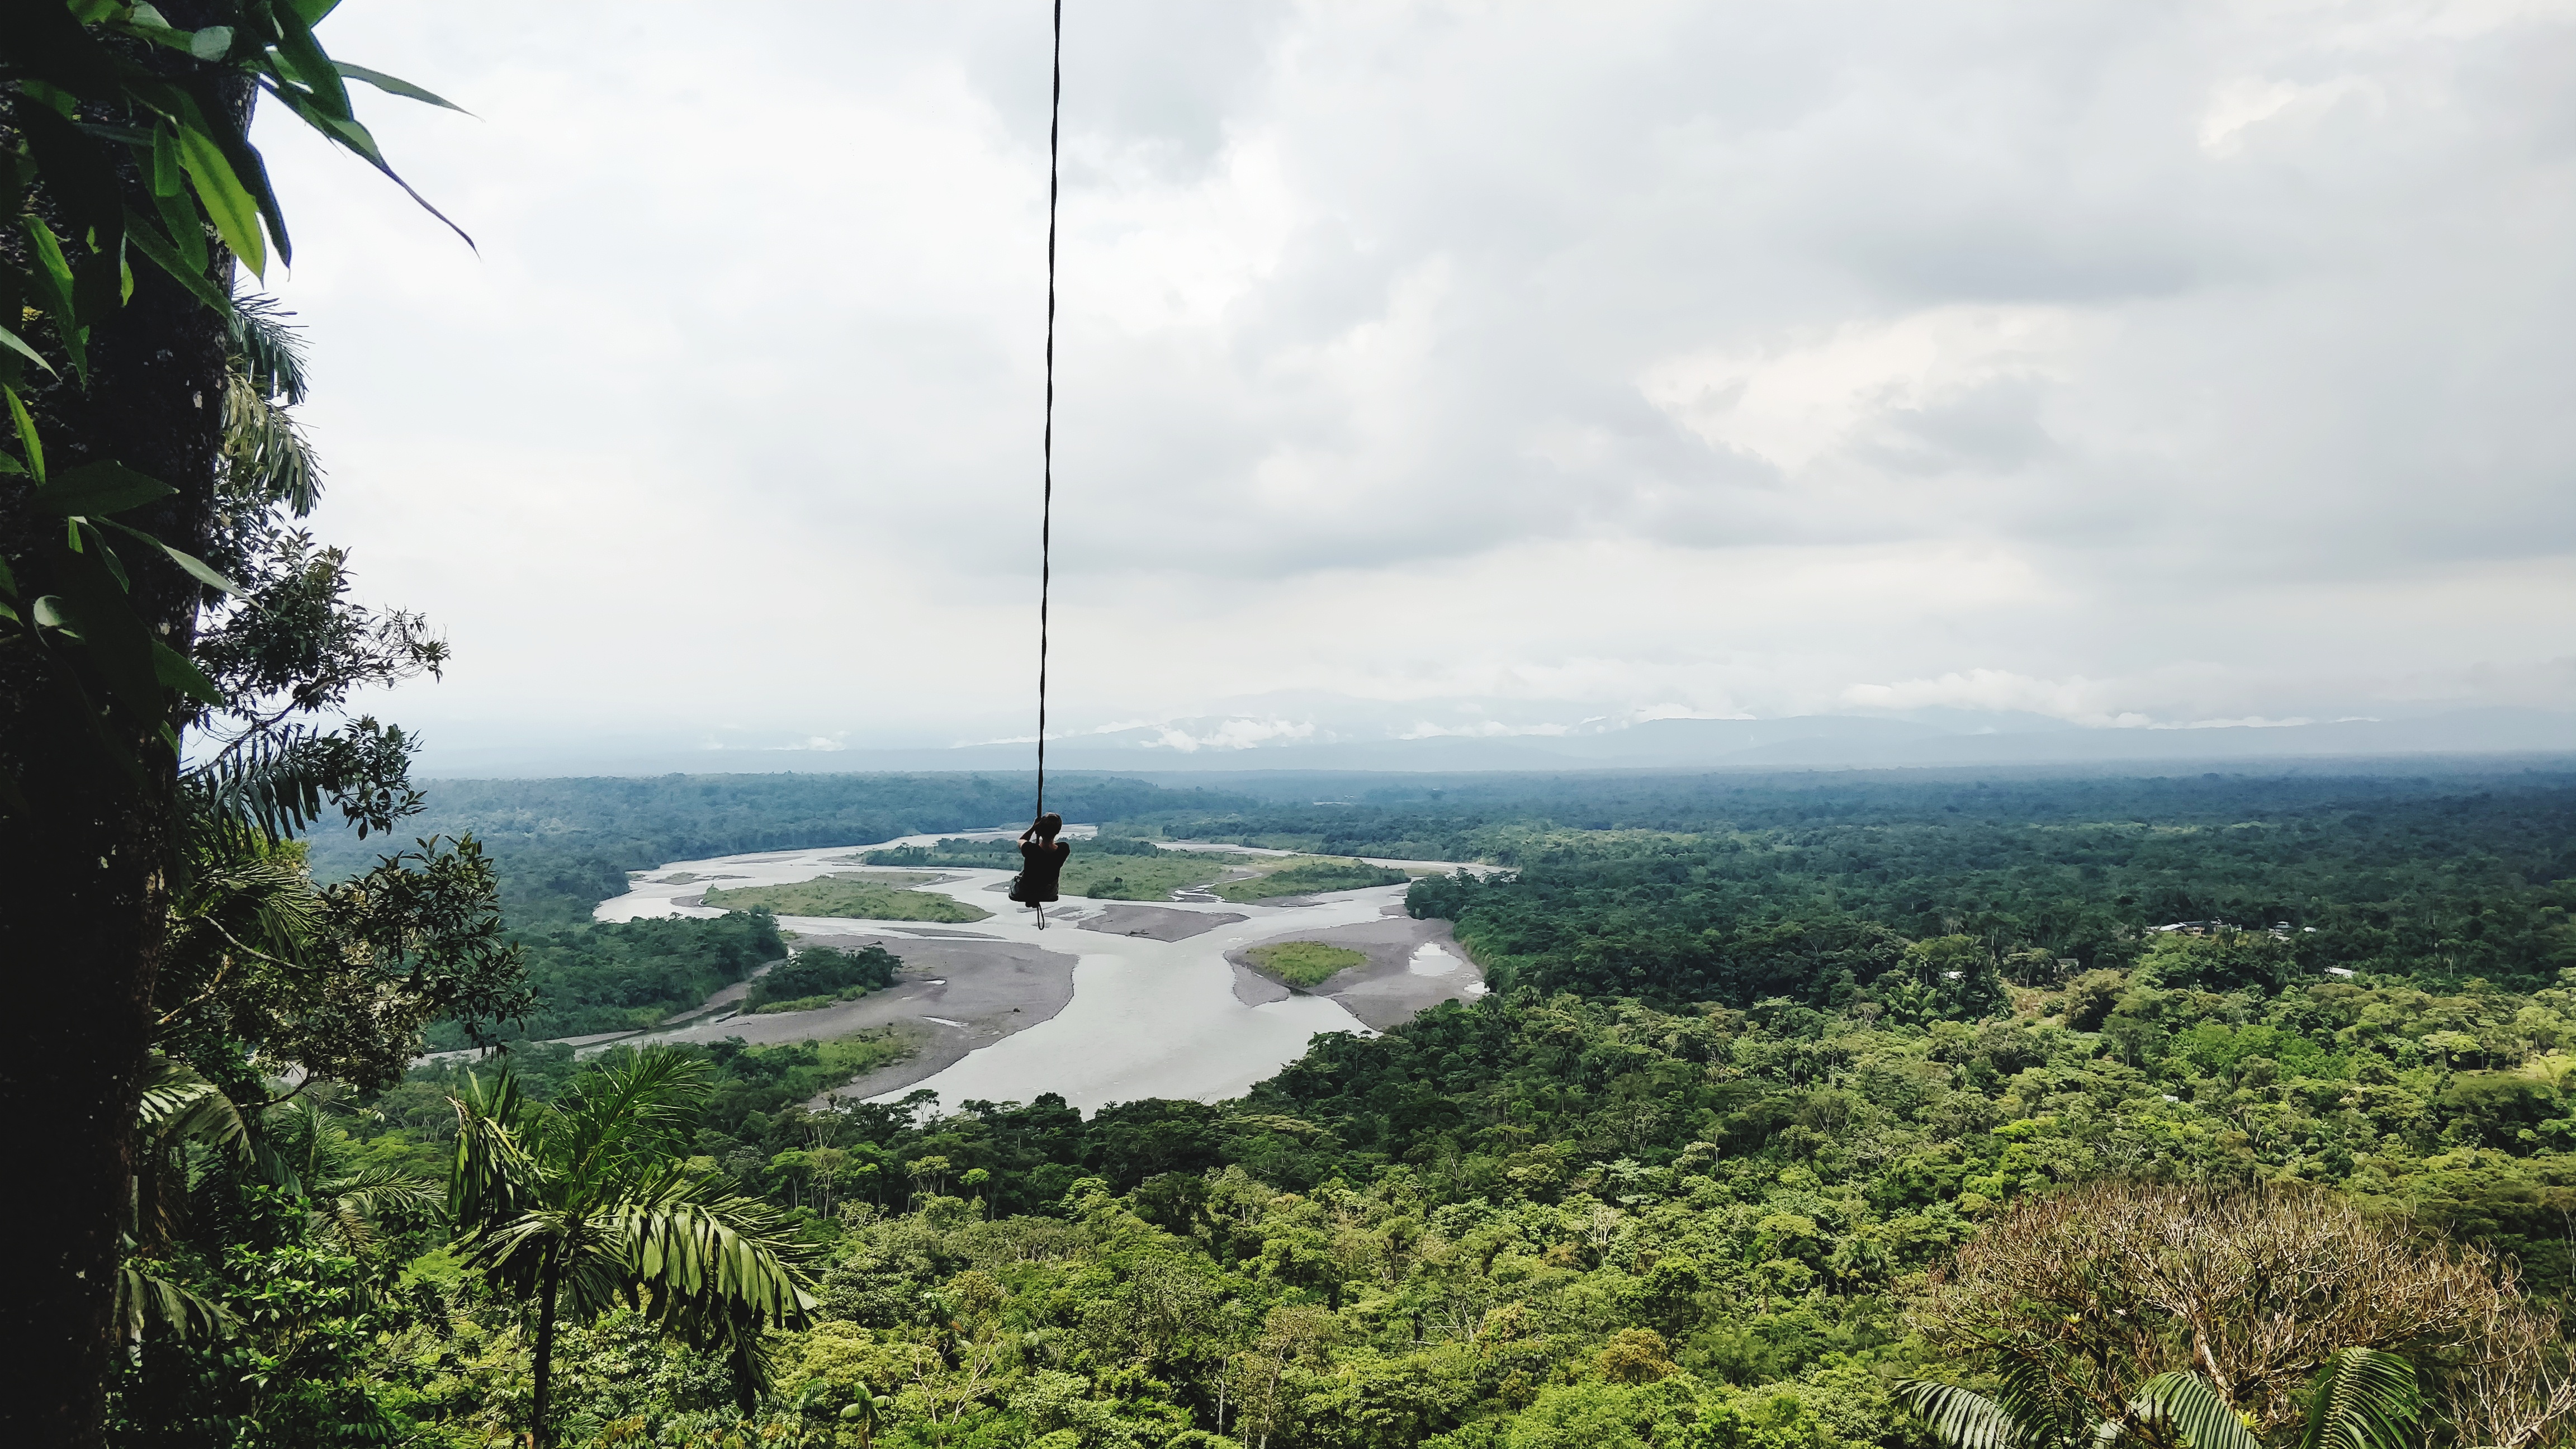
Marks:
<point>953,997</point>
<point>1412,966</point>
<point>1158,923</point>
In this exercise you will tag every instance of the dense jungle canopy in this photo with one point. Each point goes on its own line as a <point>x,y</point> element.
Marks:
<point>1762,1056</point>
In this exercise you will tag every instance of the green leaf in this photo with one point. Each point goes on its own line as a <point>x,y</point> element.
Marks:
<point>247,166</point>
<point>343,129</point>
<point>79,172</point>
<point>15,344</point>
<point>211,43</point>
<point>8,582</point>
<point>83,532</point>
<point>166,177</point>
<point>228,203</point>
<point>119,645</point>
<point>296,44</point>
<point>100,488</point>
<point>357,138</point>
<point>11,465</point>
<point>157,249</point>
<point>57,273</point>
<point>27,439</point>
<point>187,233</point>
<point>195,567</point>
<point>177,671</point>
<point>396,86</point>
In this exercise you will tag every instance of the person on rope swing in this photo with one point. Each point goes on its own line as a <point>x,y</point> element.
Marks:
<point>1042,858</point>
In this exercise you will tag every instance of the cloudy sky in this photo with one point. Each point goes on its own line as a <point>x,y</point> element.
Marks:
<point>1455,366</point>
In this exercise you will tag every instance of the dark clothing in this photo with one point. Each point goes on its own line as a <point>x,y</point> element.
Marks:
<point>1041,863</point>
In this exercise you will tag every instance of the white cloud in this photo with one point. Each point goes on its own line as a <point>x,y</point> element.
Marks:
<point>2077,700</point>
<point>2241,103</point>
<point>1795,403</point>
<point>1233,734</point>
<point>1491,729</point>
<point>2120,364</point>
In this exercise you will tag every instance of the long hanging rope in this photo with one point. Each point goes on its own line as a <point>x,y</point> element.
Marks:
<point>1046,509</point>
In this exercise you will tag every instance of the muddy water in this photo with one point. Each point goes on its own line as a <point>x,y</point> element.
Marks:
<point>1148,1018</point>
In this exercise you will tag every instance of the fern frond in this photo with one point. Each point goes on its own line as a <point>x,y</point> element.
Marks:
<point>348,1208</point>
<point>1959,1418</point>
<point>2363,1399</point>
<point>267,459</point>
<point>2190,1405</point>
<point>277,781</point>
<point>269,348</point>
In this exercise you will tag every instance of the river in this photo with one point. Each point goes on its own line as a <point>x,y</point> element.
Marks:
<point>1147,1017</point>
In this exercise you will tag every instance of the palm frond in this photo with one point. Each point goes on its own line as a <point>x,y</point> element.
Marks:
<point>267,459</point>
<point>178,1106</point>
<point>145,1300</point>
<point>384,1192</point>
<point>704,1255</point>
<point>265,899</point>
<point>301,1133</point>
<point>269,348</point>
<point>2191,1407</point>
<point>1959,1418</point>
<point>717,1271</point>
<point>630,1114</point>
<point>2363,1399</point>
<point>274,782</point>
<point>234,910</point>
<point>491,1178</point>
<point>348,1210</point>
<point>513,1253</point>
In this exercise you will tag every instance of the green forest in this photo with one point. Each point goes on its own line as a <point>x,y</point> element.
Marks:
<point>822,974</point>
<point>1773,1070</point>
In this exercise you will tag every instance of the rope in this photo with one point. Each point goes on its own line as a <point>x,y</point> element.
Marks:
<point>1046,510</point>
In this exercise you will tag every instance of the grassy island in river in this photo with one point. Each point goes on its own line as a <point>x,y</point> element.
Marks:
<point>850,896</point>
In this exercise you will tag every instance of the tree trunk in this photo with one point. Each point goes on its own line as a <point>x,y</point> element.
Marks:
<point>84,884</point>
<point>542,1431</point>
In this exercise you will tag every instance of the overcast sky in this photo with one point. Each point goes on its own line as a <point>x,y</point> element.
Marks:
<point>1454,366</point>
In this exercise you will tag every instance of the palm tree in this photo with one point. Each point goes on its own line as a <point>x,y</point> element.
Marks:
<point>179,1110</point>
<point>2361,1399</point>
<point>345,1203</point>
<point>589,1203</point>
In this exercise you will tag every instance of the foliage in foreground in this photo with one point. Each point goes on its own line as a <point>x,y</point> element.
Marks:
<point>576,1206</point>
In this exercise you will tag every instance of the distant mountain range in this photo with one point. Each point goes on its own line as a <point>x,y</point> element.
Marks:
<point>1805,742</point>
